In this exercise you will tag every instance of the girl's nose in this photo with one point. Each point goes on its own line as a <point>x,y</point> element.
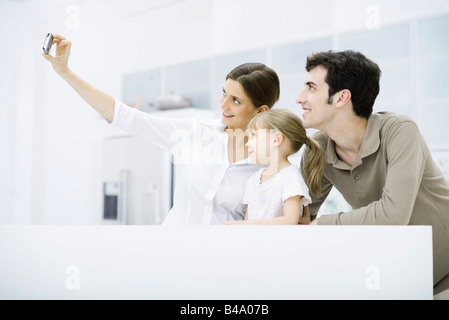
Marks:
<point>250,142</point>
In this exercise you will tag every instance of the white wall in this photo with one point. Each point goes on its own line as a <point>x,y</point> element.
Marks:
<point>49,137</point>
<point>193,29</point>
<point>48,134</point>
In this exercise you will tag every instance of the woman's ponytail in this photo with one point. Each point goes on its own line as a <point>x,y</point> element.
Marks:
<point>314,165</point>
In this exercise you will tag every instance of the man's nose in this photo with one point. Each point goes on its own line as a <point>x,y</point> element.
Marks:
<point>301,99</point>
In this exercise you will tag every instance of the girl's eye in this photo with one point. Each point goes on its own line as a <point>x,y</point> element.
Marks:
<point>235,101</point>
<point>224,93</point>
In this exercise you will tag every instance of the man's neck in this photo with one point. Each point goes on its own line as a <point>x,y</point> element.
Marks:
<point>348,138</point>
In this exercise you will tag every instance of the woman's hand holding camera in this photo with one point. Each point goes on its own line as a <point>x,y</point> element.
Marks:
<point>61,58</point>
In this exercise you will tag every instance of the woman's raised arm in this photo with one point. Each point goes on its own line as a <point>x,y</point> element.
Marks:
<point>100,101</point>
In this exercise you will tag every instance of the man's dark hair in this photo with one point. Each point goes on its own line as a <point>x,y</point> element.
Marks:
<point>352,71</point>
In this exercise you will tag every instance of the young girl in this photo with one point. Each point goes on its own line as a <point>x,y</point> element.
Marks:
<point>277,193</point>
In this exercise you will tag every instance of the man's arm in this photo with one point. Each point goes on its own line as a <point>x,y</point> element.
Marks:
<point>326,187</point>
<point>405,167</point>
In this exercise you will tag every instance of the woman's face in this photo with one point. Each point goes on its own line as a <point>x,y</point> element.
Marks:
<point>238,109</point>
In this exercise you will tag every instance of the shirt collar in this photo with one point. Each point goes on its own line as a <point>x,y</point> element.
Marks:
<point>371,140</point>
<point>370,144</point>
<point>218,125</point>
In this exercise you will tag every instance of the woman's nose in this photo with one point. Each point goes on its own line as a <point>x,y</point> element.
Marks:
<point>223,103</point>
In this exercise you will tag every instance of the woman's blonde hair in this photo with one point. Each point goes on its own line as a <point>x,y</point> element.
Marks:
<point>290,125</point>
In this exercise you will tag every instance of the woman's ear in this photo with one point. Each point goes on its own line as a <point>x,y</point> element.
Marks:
<point>263,108</point>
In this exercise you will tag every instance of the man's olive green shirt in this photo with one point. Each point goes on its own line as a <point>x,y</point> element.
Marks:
<point>393,181</point>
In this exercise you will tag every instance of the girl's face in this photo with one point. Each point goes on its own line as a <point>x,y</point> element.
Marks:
<point>261,145</point>
<point>238,109</point>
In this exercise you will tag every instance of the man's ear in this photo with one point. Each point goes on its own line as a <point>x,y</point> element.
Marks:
<point>263,108</point>
<point>343,97</point>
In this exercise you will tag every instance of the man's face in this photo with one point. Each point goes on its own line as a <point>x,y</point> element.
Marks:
<point>314,99</point>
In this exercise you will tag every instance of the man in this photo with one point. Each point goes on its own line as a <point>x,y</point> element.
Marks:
<point>378,161</point>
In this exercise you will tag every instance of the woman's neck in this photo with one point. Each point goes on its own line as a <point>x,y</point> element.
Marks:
<point>237,150</point>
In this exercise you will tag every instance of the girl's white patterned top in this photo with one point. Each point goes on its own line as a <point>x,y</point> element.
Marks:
<point>266,200</point>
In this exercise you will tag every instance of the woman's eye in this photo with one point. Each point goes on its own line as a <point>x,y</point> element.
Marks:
<point>235,101</point>
<point>224,93</point>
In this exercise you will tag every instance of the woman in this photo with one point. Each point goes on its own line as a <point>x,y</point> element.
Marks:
<point>211,157</point>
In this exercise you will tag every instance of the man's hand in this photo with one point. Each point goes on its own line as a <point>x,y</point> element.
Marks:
<point>305,219</point>
<point>229,223</point>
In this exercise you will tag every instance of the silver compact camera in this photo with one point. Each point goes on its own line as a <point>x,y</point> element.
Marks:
<point>47,43</point>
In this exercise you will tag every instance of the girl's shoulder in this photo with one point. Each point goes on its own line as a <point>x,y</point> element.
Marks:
<point>292,175</point>
<point>291,170</point>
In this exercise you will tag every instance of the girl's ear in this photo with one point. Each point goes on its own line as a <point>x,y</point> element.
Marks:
<point>278,138</point>
<point>263,108</point>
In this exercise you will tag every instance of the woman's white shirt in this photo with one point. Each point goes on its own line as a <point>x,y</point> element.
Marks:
<point>208,189</point>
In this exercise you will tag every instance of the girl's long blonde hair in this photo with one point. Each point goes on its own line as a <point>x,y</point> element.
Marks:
<point>290,125</point>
